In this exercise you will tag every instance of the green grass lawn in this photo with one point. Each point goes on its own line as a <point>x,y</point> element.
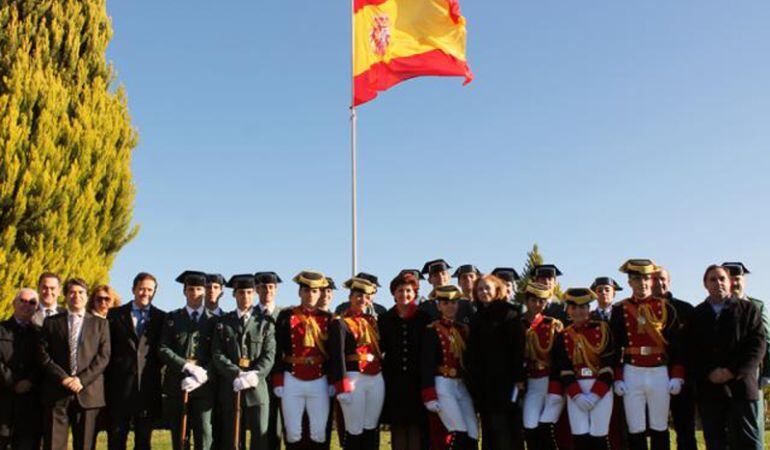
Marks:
<point>162,441</point>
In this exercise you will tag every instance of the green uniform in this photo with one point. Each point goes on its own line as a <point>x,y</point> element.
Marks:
<point>182,341</point>
<point>242,347</point>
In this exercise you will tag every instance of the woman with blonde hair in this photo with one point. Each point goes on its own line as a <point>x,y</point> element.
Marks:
<point>103,298</point>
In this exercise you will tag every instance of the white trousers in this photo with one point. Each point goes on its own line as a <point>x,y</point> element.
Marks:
<point>595,422</point>
<point>457,413</point>
<point>536,410</point>
<point>365,405</point>
<point>646,387</point>
<point>300,396</point>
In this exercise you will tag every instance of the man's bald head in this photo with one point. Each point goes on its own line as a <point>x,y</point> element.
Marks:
<point>661,282</point>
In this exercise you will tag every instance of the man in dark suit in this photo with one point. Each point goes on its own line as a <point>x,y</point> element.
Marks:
<point>74,351</point>
<point>243,351</point>
<point>185,349</point>
<point>683,405</point>
<point>20,376</point>
<point>48,289</point>
<point>267,288</point>
<point>727,344</point>
<point>133,375</point>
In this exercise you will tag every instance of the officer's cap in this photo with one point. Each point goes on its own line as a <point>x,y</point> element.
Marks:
<point>242,281</point>
<point>368,276</point>
<point>506,273</point>
<point>639,267</point>
<point>448,292</point>
<point>361,284</point>
<point>538,290</point>
<point>267,278</point>
<point>545,270</point>
<point>435,266</point>
<point>466,268</point>
<point>311,279</point>
<point>579,296</point>
<point>605,281</point>
<point>192,278</point>
<point>330,284</point>
<point>736,268</point>
<point>217,278</point>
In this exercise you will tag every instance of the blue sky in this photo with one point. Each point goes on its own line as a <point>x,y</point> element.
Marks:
<point>601,130</point>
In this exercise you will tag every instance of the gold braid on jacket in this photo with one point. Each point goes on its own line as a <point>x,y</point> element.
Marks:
<point>313,336</point>
<point>365,333</point>
<point>456,341</point>
<point>536,352</point>
<point>586,354</point>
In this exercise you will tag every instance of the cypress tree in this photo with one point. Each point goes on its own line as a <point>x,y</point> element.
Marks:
<point>66,194</point>
<point>534,258</point>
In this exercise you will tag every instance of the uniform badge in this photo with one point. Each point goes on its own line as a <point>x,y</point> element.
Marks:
<point>586,372</point>
<point>244,363</point>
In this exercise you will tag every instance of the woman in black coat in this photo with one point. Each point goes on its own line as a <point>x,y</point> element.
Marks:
<point>495,358</point>
<point>401,332</point>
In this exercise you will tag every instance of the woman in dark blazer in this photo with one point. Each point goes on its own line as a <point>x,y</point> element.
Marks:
<point>401,332</point>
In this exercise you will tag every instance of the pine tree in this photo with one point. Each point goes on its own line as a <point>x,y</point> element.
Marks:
<point>534,258</point>
<point>66,194</point>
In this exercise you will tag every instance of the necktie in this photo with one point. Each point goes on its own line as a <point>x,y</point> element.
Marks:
<point>75,323</point>
<point>49,312</point>
<point>140,322</point>
<point>194,317</point>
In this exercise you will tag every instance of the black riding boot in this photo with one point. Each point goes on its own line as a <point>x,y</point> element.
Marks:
<point>660,440</point>
<point>637,441</point>
<point>600,443</point>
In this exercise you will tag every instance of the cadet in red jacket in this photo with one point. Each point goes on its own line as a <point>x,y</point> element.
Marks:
<point>355,368</point>
<point>443,370</point>
<point>301,356</point>
<point>582,357</point>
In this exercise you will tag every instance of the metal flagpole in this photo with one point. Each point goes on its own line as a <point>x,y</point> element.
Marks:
<point>353,122</point>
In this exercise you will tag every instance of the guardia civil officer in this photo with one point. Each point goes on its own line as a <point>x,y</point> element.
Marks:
<point>738,272</point>
<point>243,352</point>
<point>267,289</point>
<point>301,362</point>
<point>648,369</point>
<point>185,350</point>
<point>543,399</point>
<point>583,363</point>
<point>605,289</point>
<point>443,372</point>
<point>466,275</point>
<point>20,376</point>
<point>547,274</point>
<point>355,367</point>
<point>215,283</point>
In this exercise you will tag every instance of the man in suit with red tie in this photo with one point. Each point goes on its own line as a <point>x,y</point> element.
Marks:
<point>72,389</point>
<point>133,375</point>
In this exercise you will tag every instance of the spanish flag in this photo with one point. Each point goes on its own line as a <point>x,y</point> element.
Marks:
<point>395,40</point>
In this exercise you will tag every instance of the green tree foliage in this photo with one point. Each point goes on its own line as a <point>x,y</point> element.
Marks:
<point>534,258</point>
<point>66,194</point>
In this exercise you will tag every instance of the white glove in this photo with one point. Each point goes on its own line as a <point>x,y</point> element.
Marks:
<point>620,388</point>
<point>582,402</point>
<point>675,386</point>
<point>190,384</point>
<point>592,399</point>
<point>278,391</point>
<point>197,371</point>
<point>250,379</point>
<point>344,397</point>
<point>433,406</point>
<point>238,384</point>
<point>332,391</point>
<point>555,401</point>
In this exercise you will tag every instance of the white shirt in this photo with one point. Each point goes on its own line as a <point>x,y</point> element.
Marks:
<point>242,314</point>
<point>268,310</point>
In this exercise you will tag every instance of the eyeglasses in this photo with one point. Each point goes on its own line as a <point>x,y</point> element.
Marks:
<point>103,298</point>
<point>32,302</point>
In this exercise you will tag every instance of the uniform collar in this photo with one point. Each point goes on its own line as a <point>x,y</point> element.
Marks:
<point>190,311</point>
<point>242,314</point>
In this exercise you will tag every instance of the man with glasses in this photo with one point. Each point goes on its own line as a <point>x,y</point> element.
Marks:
<point>19,376</point>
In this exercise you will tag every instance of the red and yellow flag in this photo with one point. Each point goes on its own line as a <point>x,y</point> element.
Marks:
<point>395,40</point>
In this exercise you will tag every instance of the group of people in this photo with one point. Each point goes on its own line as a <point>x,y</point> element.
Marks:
<point>514,365</point>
